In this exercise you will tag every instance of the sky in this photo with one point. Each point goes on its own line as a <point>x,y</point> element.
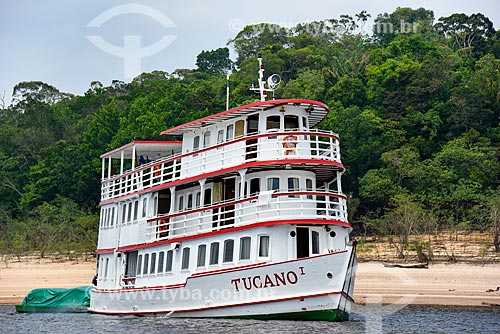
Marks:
<point>70,43</point>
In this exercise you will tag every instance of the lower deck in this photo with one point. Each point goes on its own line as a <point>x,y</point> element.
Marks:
<point>172,263</point>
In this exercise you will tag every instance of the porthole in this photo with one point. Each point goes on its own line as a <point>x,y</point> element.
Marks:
<point>333,234</point>
<point>293,234</point>
<point>329,275</point>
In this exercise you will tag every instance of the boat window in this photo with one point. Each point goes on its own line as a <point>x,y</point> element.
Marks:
<point>206,139</point>
<point>198,199</point>
<point>214,253</point>
<point>293,185</point>
<point>208,196</point>
<point>202,254</point>
<point>273,122</point>
<point>185,258</point>
<point>254,186</point>
<point>161,260</point>
<point>291,122</point>
<point>146,264</point>
<point>106,268</point>
<point>129,212</point>
<point>245,248</point>
<point>144,207</point>
<point>273,183</point>
<point>309,187</point>
<point>196,143</point>
<point>152,268</point>
<point>136,209</point>
<point>304,123</point>
<point>155,204</point>
<point>124,211</point>
<point>220,136</point>
<point>190,202</point>
<point>228,250</point>
<point>139,264</point>
<point>168,266</point>
<point>229,132</point>
<point>112,216</point>
<point>181,203</point>
<point>264,246</point>
<point>315,242</point>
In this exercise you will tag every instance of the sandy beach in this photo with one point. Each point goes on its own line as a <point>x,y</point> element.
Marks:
<point>440,284</point>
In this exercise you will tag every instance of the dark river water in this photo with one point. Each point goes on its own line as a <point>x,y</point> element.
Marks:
<point>365,319</point>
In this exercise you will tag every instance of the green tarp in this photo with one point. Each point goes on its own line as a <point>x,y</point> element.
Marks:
<point>56,300</point>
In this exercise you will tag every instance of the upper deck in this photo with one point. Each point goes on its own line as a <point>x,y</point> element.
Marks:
<point>261,134</point>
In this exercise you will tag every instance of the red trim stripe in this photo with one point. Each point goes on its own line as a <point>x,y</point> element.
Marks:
<point>225,230</point>
<point>224,171</point>
<point>105,251</point>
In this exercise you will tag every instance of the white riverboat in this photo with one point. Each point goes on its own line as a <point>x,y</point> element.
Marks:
<point>243,218</point>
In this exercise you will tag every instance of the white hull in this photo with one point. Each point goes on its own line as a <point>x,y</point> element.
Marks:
<point>277,290</point>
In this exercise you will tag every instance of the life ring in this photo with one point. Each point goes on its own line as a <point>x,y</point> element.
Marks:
<point>289,144</point>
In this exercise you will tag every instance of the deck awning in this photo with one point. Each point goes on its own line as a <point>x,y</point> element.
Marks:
<point>153,149</point>
<point>316,110</point>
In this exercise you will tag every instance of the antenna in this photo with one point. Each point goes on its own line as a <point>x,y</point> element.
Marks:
<point>273,81</point>
<point>227,91</point>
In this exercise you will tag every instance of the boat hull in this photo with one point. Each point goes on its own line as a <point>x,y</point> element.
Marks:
<point>313,288</point>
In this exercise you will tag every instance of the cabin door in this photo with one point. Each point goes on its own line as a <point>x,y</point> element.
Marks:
<point>251,144</point>
<point>130,264</point>
<point>302,242</point>
<point>229,194</point>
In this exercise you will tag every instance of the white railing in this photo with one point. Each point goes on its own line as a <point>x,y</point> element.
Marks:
<point>268,146</point>
<point>264,207</point>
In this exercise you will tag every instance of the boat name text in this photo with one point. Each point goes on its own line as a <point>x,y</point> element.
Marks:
<point>267,281</point>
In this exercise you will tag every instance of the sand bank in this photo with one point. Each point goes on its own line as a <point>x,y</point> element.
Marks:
<point>441,284</point>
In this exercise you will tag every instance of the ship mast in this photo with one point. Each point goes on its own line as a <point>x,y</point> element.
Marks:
<point>273,82</point>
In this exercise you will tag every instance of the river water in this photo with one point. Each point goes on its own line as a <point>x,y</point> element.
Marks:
<point>364,319</point>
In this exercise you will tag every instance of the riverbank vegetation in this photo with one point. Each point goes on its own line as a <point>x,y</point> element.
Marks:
<point>416,102</point>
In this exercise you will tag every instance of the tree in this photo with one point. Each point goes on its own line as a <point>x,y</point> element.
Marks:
<point>215,61</point>
<point>464,32</point>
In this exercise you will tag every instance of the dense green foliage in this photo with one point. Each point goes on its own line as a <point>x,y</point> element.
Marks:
<point>417,107</point>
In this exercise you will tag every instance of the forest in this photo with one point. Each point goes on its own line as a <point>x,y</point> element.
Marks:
<point>415,100</point>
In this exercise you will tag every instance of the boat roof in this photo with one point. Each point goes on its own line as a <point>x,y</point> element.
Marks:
<point>317,111</point>
<point>151,148</point>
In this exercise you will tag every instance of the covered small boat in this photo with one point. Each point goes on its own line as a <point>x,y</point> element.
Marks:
<point>56,300</point>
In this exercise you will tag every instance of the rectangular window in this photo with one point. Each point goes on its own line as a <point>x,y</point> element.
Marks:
<point>206,139</point>
<point>112,216</point>
<point>198,199</point>
<point>146,264</point>
<point>273,122</point>
<point>155,205</point>
<point>315,242</point>
<point>190,202</point>
<point>273,183</point>
<point>245,248</point>
<point>129,212</point>
<point>291,122</point>
<point>202,254</point>
<point>293,185</point>
<point>106,268</point>
<point>152,267</point>
<point>181,203</point>
<point>214,253</point>
<point>208,197</point>
<point>228,250</point>
<point>185,258</point>
<point>170,256</point>
<point>229,132</point>
<point>136,209</point>
<point>139,264</point>
<point>309,187</point>
<point>254,186</point>
<point>161,260</point>
<point>124,211</point>
<point>304,123</point>
<point>144,207</point>
<point>264,246</point>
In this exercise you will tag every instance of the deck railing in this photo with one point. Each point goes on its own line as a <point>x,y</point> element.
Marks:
<point>268,146</point>
<point>264,207</point>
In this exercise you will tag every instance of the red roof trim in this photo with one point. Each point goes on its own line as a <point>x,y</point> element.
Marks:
<point>228,229</point>
<point>253,105</point>
<point>105,251</point>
